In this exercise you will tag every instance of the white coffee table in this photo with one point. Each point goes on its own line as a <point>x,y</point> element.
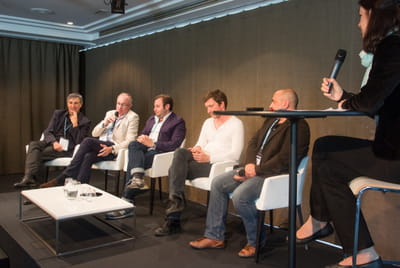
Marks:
<point>57,207</point>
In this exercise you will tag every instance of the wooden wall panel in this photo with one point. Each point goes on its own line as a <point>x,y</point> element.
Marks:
<point>247,55</point>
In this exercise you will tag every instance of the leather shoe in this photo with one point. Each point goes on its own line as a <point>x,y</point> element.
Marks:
<point>247,252</point>
<point>324,232</point>
<point>373,264</point>
<point>48,184</point>
<point>205,242</point>
<point>169,227</point>
<point>26,181</point>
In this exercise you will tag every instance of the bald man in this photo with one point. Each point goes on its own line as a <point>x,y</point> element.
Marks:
<point>114,133</point>
<point>267,155</point>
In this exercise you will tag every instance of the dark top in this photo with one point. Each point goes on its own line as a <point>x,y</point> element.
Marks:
<point>381,96</point>
<point>75,135</point>
<point>171,135</point>
<point>276,152</point>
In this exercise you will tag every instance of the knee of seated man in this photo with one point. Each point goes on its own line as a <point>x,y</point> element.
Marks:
<point>134,145</point>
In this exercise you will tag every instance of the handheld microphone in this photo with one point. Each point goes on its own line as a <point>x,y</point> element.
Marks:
<point>240,172</point>
<point>339,59</point>
<point>113,123</point>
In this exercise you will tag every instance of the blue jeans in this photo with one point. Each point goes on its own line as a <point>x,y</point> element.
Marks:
<point>139,159</point>
<point>243,196</point>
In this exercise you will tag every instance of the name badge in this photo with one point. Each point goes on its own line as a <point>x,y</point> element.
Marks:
<point>258,159</point>
<point>64,144</point>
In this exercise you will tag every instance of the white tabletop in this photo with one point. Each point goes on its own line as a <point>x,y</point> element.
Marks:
<point>55,204</point>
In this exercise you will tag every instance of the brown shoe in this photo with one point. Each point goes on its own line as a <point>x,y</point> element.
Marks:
<point>48,184</point>
<point>205,242</point>
<point>247,252</point>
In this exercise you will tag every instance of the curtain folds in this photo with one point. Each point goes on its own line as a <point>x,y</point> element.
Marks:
<point>35,78</point>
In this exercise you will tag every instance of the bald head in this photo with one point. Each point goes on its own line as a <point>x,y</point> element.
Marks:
<point>284,99</point>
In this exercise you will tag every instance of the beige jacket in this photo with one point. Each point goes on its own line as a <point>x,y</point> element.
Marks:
<point>125,131</point>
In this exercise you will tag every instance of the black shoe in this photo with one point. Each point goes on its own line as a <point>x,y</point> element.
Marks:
<point>169,227</point>
<point>176,205</point>
<point>120,214</point>
<point>373,264</point>
<point>324,232</point>
<point>25,182</point>
<point>27,202</point>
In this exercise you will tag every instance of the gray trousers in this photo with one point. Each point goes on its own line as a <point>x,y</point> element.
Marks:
<point>38,153</point>
<point>184,167</point>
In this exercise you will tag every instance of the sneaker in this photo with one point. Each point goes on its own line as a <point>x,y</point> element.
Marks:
<point>120,214</point>
<point>137,183</point>
<point>26,181</point>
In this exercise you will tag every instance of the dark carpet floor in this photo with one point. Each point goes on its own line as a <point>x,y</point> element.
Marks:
<point>25,250</point>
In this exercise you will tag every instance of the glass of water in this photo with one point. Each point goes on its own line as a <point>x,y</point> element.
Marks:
<point>71,189</point>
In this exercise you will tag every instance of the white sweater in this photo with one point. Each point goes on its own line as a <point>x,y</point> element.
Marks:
<point>224,143</point>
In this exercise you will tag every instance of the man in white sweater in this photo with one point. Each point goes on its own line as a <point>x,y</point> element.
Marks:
<point>221,139</point>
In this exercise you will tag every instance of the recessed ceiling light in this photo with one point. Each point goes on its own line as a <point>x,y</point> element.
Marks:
<point>101,11</point>
<point>70,23</point>
<point>43,11</point>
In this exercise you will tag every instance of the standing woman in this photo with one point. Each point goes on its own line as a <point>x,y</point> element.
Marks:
<point>337,160</point>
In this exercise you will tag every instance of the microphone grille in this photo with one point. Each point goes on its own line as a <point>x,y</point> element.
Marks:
<point>340,55</point>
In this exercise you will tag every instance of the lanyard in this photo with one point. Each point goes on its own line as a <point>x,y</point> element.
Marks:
<point>66,127</point>
<point>267,135</point>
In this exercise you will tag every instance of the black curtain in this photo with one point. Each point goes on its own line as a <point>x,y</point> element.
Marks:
<point>36,77</point>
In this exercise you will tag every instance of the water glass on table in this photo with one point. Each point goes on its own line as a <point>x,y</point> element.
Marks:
<point>71,188</point>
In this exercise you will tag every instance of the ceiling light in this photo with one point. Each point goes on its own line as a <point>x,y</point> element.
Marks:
<point>43,11</point>
<point>70,23</point>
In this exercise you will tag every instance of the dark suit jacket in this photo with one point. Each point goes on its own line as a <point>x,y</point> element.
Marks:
<point>381,96</point>
<point>276,152</point>
<point>75,135</point>
<point>172,132</point>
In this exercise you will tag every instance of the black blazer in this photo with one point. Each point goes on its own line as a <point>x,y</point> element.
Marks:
<point>276,152</point>
<point>381,96</point>
<point>75,135</point>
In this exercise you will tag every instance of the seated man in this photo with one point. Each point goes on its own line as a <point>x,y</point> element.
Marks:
<point>164,132</point>
<point>267,155</point>
<point>221,139</point>
<point>66,129</point>
<point>116,131</point>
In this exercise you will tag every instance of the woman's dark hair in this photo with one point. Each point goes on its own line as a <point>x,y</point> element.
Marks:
<point>218,96</point>
<point>384,17</point>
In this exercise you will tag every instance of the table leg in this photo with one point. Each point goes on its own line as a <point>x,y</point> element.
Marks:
<point>20,206</point>
<point>292,192</point>
<point>57,236</point>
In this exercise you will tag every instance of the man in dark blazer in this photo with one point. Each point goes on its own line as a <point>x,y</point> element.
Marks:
<point>164,132</point>
<point>267,155</point>
<point>66,129</point>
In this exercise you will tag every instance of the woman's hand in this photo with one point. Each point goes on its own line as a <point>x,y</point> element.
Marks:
<point>336,90</point>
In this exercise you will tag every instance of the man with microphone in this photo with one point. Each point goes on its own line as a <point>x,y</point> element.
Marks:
<point>115,132</point>
<point>164,132</point>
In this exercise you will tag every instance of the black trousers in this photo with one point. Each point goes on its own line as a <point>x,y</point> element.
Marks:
<point>81,164</point>
<point>38,153</point>
<point>337,160</point>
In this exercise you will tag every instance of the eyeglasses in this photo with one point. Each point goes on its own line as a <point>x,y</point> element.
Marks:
<point>122,104</point>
